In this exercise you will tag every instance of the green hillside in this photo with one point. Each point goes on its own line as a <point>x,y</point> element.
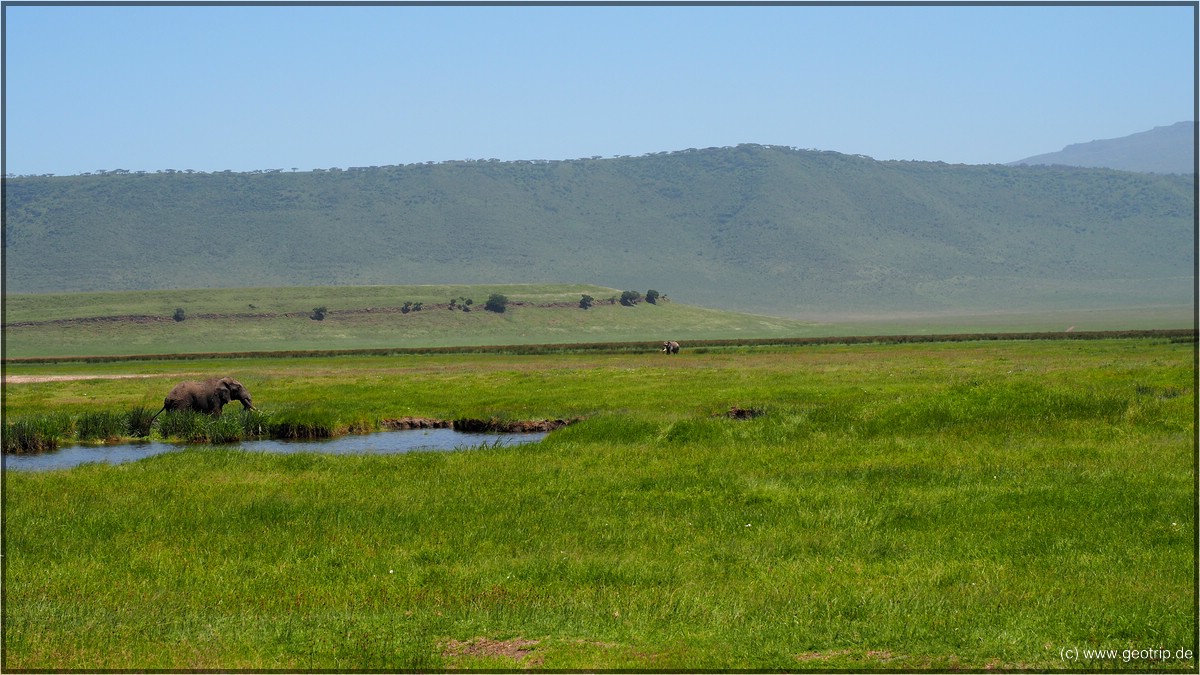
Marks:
<point>752,228</point>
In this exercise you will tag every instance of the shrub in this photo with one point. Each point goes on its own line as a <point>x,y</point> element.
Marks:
<point>179,315</point>
<point>318,314</point>
<point>496,303</point>
<point>586,302</point>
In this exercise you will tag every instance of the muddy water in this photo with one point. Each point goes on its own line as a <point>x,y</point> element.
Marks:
<point>384,443</point>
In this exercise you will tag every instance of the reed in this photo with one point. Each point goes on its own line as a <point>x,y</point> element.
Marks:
<point>303,422</point>
<point>37,433</point>
<point>49,431</point>
<point>186,425</point>
<point>139,421</point>
<point>225,429</point>
<point>101,425</point>
<point>255,423</point>
<point>231,427</point>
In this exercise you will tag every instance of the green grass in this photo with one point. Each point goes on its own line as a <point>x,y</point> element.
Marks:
<point>954,323</point>
<point>37,433</point>
<point>47,431</point>
<point>299,300</point>
<point>101,425</point>
<point>277,319</point>
<point>940,506</point>
<point>42,432</point>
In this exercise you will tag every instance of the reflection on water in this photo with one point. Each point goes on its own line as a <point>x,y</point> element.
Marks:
<point>385,443</point>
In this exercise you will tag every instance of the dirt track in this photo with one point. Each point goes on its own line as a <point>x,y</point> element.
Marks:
<point>29,379</point>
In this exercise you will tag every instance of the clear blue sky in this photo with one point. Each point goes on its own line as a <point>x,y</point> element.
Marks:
<point>244,88</point>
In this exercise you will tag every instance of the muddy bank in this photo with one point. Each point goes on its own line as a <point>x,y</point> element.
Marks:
<point>474,425</point>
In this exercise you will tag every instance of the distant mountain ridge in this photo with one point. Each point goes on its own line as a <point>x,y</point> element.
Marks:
<point>755,228</point>
<point>1170,149</point>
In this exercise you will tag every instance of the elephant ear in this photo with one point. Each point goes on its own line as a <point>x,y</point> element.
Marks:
<point>223,392</point>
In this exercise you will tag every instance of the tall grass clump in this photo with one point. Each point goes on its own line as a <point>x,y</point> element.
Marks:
<point>36,433</point>
<point>231,427</point>
<point>225,429</point>
<point>255,423</point>
<point>138,421</point>
<point>187,425</point>
<point>101,425</point>
<point>302,423</point>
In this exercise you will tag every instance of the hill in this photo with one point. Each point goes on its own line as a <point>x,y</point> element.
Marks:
<point>757,229</point>
<point>1169,149</point>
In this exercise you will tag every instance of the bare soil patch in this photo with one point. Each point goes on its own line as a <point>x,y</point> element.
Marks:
<point>517,649</point>
<point>32,379</point>
<point>822,656</point>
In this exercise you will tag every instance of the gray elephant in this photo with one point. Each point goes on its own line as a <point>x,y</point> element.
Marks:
<point>208,396</point>
<point>670,347</point>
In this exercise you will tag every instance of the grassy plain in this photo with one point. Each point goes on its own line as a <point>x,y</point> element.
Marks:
<point>361,317</point>
<point>941,506</point>
<point>367,317</point>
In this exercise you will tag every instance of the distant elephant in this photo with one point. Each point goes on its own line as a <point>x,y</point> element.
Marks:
<point>208,396</point>
<point>670,347</point>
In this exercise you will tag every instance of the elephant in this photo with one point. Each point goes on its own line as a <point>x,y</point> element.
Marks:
<point>670,347</point>
<point>208,396</point>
